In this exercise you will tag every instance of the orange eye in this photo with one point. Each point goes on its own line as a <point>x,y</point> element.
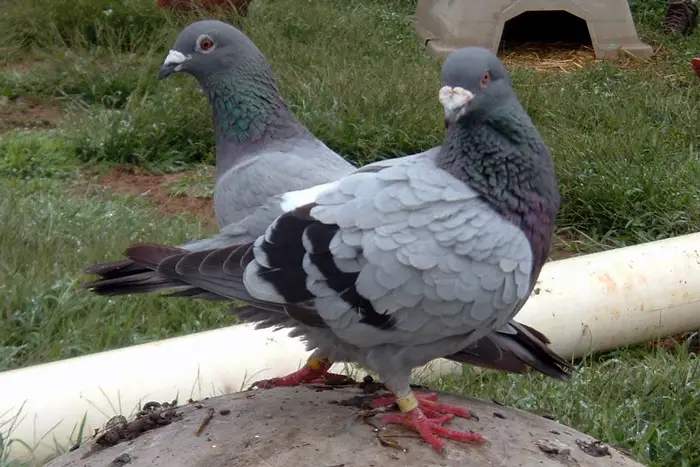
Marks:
<point>206,44</point>
<point>485,79</point>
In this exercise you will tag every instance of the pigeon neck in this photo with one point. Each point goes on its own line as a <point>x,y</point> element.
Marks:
<point>248,112</point>
<point>500,154</point>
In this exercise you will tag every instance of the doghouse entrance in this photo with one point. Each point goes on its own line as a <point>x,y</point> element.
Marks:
<point>558,29</point>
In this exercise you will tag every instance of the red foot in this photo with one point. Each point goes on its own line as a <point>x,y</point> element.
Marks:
<point>431,430</point>
<point>427,420</point>
<point>305,375</point>
<point>431,408</point>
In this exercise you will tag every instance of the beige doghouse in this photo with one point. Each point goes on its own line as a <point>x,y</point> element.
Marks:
<point>444,25</point>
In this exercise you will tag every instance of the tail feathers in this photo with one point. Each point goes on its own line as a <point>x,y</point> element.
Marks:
<point>150,255</point>
<point>197,293</point>
<point>215,274</point>
<point>263,318</point>
<point>136,275</point>
<point>112,269</point>
<point>218,273</point>
<point>521,351</point>
<point>140,283</point>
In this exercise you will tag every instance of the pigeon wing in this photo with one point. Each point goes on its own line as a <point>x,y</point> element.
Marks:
<point>405,255</point>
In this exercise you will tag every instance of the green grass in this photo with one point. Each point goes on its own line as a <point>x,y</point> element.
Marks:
<point>624,135</point>
<point>647,403</point>
<point>196,184</point>
<point>48,235</point>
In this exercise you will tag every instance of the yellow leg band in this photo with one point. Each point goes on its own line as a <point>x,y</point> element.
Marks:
<point>316,363</point>
<point>408,403</point>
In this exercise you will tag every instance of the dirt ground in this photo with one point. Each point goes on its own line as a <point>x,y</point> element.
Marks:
<point>133,181</point>
<point>321,427</point>
<point>28,113</point>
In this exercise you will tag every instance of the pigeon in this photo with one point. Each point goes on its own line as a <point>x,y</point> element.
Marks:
<point>261,148</point>
<point>402,261</point>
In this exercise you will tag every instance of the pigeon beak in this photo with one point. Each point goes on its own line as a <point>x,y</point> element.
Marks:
<point>454,100</point>
<point>172,64</point>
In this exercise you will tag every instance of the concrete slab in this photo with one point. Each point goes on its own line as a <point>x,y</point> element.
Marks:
<point>299,427</point>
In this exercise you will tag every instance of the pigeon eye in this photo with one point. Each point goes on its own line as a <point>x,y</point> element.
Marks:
<point>485,79</point>
<point>205,44</point>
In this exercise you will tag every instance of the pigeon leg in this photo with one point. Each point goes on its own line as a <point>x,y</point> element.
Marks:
<point>428,403</point>
<point>315,370</point>
<point>423,415</point>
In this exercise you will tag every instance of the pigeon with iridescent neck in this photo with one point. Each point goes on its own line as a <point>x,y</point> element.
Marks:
<point>404,261</point>
<point>262,150</point>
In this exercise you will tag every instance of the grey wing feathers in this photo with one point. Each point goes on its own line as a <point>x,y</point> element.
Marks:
<point>124,277</point>
<point>219,272</point>
<point>275,169</point>
<point>429,255</point>
<point>406,255</point>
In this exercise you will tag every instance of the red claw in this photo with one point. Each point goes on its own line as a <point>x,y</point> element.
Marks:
<point>315,371</point>
<point>427,420</point>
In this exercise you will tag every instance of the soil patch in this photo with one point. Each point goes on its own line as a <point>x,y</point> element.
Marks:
<point>28,113</point>
<point>133,181</point>
<point>564,246</point>
<point>671,343</point>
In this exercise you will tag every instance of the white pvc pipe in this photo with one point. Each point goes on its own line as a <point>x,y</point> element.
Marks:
<point>616,298</point>
<point>588,303</point>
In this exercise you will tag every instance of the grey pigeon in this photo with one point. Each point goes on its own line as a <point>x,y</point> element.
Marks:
<point>403,261</point>
<point>261,148</point>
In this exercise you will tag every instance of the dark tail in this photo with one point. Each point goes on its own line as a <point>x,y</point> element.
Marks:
<point>133,276</point>
<point>517,349</point>
<point>143,273</point>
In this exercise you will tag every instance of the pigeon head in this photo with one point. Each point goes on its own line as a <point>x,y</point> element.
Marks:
<point>473,79</point>
<point>237,79</point>
<point>206,47</point>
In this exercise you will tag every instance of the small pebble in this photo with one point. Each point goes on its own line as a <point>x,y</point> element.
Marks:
<point>593,448</point>
<point>224,411</point>
<point>121,460</point>
<point>553,446</point>
<point>499,415</point>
